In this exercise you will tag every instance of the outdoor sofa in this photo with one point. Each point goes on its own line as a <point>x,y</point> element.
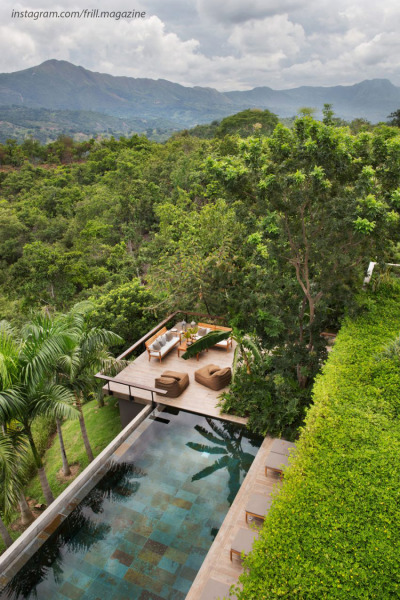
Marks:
<point>161,343</point>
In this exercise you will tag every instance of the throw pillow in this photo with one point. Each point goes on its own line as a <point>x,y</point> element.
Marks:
<point>155,346</point>
<point>162,340</point>
<point>169,336</point>
<point>202,331</point>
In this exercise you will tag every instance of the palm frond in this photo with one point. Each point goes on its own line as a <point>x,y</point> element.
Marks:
<point>219,464</point>
<point>208,449</point>
<point>56,401</point>
<point>208,435</point>
<point>12,404</point>
<point>207,341</point>
<point>11,459</point>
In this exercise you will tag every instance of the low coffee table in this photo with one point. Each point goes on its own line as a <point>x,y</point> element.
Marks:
<point>183,347</point>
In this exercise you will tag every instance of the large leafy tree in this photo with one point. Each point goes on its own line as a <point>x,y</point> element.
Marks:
<point>195,258</point>
<point>322,209</point>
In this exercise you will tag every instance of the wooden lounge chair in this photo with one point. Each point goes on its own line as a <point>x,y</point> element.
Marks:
<point>173,382</point>
<point>258,506</point>
<point>243,542</point>
<point>215,590</point>
<point>276,463</point>
<point>282,446</point>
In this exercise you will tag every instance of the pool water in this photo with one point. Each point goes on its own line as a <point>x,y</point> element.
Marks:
<point>146,527</point>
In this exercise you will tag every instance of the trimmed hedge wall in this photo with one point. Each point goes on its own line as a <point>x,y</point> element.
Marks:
<point>334,528</point>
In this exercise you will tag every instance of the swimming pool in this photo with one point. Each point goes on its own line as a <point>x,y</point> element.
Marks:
<point>144,530</point>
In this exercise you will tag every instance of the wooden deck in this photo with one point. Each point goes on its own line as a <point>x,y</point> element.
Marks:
<point>196,398</point>
<point>217,564</point>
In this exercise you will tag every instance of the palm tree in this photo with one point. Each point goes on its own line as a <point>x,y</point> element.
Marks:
<point>85,355</point>
<point>31,390</point>
<point>12,456</point>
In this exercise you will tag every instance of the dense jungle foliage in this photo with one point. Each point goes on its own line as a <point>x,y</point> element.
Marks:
<point>273,232</point>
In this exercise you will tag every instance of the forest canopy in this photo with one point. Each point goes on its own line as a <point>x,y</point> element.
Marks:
<point>273,231</point>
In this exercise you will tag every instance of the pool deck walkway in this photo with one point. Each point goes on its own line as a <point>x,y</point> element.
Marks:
<point>196,398</point>
<point>217,564</point>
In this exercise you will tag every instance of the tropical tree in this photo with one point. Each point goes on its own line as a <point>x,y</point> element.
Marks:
<point>394,118</point>
<point>12,455</point>
<point>31,391</point>
<point>85,354</point>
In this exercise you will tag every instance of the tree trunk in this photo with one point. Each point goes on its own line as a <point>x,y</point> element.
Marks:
<point>4,534</point>
<point>83,429</point>
<point>66,469</point>
<point>41,472</point>
<point>45,486</point>
<point>26,515</point>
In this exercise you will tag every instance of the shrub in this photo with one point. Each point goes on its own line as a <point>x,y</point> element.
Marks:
<point>334,528</point>
<point>124,310</point>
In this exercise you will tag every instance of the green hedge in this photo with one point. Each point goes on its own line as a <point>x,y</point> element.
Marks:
<point>334,528</point>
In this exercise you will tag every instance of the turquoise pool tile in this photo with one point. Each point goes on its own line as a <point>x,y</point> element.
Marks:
<point>183,585</point>
<point>70,591</point>
<point>126,591</point>
<point>81,580</point>
<point>153,512</point>
<point>161,536</point>
<point>176,595</point>
<point>169,565</point>
<point>186,495</point>
<point>167,487</point>
<point>114,567</point>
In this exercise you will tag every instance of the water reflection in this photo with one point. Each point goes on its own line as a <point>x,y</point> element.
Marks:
<point>83,528</point>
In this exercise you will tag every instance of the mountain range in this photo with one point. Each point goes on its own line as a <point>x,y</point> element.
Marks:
<point>61,86</point>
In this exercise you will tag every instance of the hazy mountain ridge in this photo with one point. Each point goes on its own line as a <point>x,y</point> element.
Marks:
<point>45,125</point>
<point>60,86</point>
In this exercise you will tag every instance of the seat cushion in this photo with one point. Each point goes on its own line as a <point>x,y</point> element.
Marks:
<point>258,504</point>
<point>244,540</point>
<point>215,590</point>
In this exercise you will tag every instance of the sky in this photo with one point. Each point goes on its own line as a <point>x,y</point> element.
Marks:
<point>224,44</point>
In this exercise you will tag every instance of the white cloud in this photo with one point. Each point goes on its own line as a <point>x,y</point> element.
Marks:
<point>275,34</point>
<point>237,11</point>
<point>227,45</point>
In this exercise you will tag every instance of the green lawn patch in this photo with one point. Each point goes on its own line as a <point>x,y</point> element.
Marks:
<point>103,424</point>
<point>334,529</point>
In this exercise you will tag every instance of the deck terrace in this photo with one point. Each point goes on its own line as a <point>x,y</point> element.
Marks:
<point>196,398</point>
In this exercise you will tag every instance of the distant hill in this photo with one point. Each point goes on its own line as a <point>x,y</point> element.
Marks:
<point>61,86</point>
<point>45,125</point>
<point>373,99</point>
